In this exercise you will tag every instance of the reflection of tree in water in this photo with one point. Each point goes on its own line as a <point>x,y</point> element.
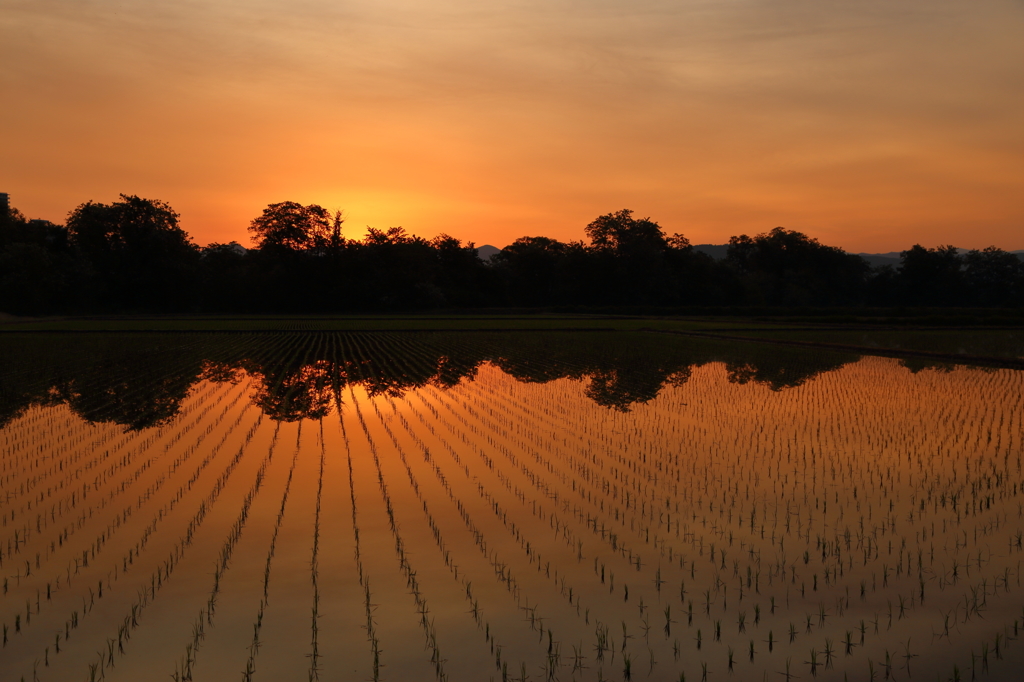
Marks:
<point>781,367</point>
<point>137,384</point>
<point>626,369</point>
<point>140,381</point>
<point>298,392</point>
<point>125,400</point>
<point>222,373</point>
<point>920,364</point>
<point>619,373</point>
<point>619,390</point>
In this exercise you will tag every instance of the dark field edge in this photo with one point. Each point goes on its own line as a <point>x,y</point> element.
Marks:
<point>418,323</point>
<point>707,332</point>
<point>346,330</point>
<point>540,320</point>
<point>956,358</point>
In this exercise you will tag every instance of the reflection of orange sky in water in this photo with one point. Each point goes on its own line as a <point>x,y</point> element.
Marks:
<point>870,415</point>
<point>765,475</point>
<point>867,125</point>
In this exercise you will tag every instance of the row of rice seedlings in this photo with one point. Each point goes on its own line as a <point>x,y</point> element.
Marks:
<point>39,450</point>
<point>595,562</point>
<point>103,537</point>
<point>105,533</point>
<point>658,581</point>
<point>254,646</point>
<point>501,573</point>
<point>71,478</point>
<point>38,443</point>
<point>364,582</point>
<point>63,580</point>
<point>206,614</point>
<point>560,582</point>
<point>45,450</point>
<point>184,671</point>
<point>427,623</point>
<point>590,519</point>
<point>188,660</point>
<point>504,571</point>
<point>525,544</point>
<point>353,360</point>
<point>562,531</point>
<point>70,474</point>
<point>65,533</point>
<point>537,506</point>
<point>156,580</point>
<point>163,571</point>
<point>606,486</point>
<point>582,471</point>
<point>314,567</point>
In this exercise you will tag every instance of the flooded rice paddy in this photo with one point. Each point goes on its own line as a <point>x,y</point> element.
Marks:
<point>554,506</point>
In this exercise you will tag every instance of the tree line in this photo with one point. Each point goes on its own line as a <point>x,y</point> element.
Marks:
<point>133,256</point>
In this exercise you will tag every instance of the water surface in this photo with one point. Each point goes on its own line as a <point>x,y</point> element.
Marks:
<point>573,506</point>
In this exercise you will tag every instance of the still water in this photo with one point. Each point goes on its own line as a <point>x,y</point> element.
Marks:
<point>554,506</point>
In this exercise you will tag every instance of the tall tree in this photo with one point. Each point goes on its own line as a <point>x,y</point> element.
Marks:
<point>536,271</point>
<point>994,277</point>
<point>622,232</point>
<point>140,256</point>
<point>291,225</point>
<point>932,276</point>
<point>786,267</point>
<point>641,265</point>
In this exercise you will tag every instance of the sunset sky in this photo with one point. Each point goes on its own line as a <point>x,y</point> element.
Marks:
<point>870,124</point>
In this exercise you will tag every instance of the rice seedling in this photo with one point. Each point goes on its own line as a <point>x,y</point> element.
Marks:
<point>548,492</point>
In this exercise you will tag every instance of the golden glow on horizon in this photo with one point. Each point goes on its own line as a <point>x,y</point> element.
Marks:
<point>871,125</point>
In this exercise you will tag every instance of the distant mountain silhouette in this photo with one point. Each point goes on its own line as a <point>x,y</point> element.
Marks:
<point>876,259</point>
<point>718,252</point>
<point>486,252</point>
<point>893,257</point>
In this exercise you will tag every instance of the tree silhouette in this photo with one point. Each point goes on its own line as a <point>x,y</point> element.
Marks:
<point>140,256</point>
<point>622,232</point>
<point>785,267</point>
<point>132,256</point>
<point>994,277</point>
<point>932,276</point>
<point>290,225</point>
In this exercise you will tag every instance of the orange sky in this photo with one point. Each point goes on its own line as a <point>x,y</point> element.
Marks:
<point>870,124</point>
